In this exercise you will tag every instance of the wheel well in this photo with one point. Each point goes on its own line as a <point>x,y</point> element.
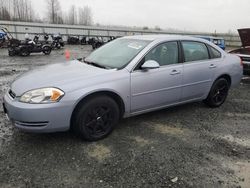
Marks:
<point>227,77</point>
<point>113,95</point>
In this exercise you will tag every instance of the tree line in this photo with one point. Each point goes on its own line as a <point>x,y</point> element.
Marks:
<point>22,10</point>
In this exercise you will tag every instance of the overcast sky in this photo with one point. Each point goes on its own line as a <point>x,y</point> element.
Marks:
<point>191,15</point>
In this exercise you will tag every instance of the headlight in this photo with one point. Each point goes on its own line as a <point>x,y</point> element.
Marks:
<point>43,95</point>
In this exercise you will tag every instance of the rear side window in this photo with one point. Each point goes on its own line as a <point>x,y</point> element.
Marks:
<point>194,51</point>
<point>214,53</point>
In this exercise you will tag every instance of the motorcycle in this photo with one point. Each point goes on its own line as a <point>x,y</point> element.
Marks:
<point>46,38</point>
<point>57,41</point>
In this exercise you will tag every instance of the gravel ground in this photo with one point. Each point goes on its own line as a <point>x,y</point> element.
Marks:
<point>185,146</point>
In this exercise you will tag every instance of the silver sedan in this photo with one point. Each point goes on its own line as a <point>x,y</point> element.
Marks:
<point>126,77</point>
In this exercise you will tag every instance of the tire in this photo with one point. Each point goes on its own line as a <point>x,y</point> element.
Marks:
<point>46,50</point>
<point>218,93</point>
<point>11,53</point>
<point>96,118</point>
<point>24,52</point>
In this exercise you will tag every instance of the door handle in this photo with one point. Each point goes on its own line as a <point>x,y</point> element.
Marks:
<point>174,72</point>
<point>212,66</point>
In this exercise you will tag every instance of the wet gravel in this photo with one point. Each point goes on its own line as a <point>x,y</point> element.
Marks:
<point>185,146</point>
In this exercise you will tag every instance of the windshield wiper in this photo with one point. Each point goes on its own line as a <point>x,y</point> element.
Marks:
<point>95,64</point>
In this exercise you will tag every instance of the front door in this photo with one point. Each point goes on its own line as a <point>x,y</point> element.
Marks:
<point>154,88</point>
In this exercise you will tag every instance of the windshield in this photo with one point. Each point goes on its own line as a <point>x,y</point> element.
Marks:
<point>118,53</point>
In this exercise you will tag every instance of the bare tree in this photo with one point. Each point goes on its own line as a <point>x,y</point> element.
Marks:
<point>54,11</point>
<point>4,14</point>
<point>72,15</point>
<point>85,16</point>
<point>18,10</point>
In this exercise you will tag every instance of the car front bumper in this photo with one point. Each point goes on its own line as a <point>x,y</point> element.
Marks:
<point>40,118</point>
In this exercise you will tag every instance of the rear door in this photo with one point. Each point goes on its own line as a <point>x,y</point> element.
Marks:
<point>198,70</point>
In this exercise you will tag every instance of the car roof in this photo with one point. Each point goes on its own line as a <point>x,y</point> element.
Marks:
<point>163,37</point>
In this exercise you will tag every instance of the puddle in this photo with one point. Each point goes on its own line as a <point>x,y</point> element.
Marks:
<point>245,142</point>
<point>241,115</point>
<point>241,100</point>
<point>166,129</point>
<point>141,141</point>
<point>242,171</point>
<point>99,152</point>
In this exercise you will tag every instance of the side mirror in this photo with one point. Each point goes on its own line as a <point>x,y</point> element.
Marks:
<point>150,64</point>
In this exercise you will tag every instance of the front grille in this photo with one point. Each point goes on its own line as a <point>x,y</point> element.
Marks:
<point>12,94</point>
<point>32,124</point>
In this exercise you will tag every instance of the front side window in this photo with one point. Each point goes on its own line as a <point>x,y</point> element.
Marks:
<point>164,54</point>
<point>194,51</point>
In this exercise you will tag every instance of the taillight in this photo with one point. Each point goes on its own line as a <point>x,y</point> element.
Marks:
<point>241,62</point>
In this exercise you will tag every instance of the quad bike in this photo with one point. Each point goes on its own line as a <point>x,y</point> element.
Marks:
<point>25,48</point>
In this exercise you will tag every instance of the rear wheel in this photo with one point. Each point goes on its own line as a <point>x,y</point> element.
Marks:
<point>24,52</point>
<point>46,50</point>
<point>96,118</point>
<point>218,93</point>
<point>11,52</point>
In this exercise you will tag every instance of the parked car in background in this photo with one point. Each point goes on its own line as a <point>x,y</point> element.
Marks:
<point>99,41</point>
<point>2,37</point>
<point>244,51</point>
<point>126,77</point>
<point>73,40</point>
<point>216,40</point>
<point>5,37</point>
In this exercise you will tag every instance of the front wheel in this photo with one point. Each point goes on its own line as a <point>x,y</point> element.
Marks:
<point>96,118</point>
<point>218,93</point>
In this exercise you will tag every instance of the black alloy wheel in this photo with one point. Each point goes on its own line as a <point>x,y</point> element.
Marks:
<point>218,93</point>
<point>96,118</point>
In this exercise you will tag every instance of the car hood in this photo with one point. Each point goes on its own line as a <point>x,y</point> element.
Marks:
<point>65,76</point>
<point>244,36</point>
